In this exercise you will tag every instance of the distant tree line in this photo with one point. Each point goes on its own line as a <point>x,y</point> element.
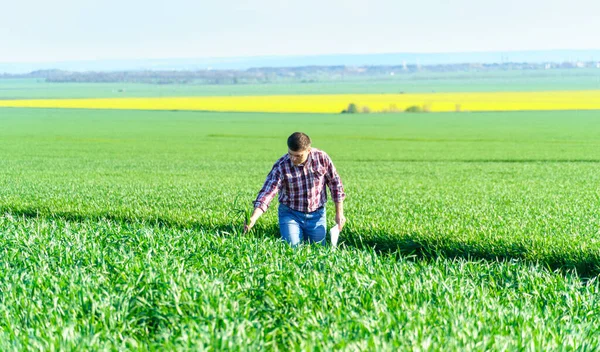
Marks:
<point>393,108</point>
<point>305,74</point>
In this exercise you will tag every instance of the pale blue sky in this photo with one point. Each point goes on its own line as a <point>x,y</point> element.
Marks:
<point>60,30</point>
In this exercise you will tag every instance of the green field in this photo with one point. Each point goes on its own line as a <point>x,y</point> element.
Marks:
<point>466,231</point>
<point>423,82</point>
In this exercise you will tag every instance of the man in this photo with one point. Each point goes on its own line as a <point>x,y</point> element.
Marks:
<point>301,177</point>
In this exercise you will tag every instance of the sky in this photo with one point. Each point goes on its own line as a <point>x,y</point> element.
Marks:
<point>73,30</point>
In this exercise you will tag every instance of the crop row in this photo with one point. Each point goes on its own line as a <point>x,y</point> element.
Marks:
<point>433,102</point>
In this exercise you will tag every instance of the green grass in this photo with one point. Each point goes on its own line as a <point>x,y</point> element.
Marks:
<point>110,285</point>
<point>423,82</point>
<point>465,232</point>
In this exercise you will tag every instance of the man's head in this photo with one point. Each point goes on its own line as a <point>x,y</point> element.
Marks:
<point>298,147</point>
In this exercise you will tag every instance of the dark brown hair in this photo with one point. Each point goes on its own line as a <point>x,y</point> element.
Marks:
<point>298,141</point>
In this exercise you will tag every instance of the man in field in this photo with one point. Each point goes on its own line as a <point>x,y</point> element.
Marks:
<point>301,177</point>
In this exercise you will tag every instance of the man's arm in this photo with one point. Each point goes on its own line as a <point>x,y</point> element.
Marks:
<point>334,182</point>
<point>340,220</point>
<point>265,196</point>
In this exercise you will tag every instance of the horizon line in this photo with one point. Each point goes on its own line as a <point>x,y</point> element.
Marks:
<point>278,56</point>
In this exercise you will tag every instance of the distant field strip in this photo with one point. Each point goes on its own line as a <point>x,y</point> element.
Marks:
<point>435,102</point>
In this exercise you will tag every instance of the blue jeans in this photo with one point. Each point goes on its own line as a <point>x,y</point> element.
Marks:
<point>296,226</point>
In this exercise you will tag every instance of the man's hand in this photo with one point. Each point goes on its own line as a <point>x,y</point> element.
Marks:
<point>340,220</point>
<point>248,227</point>
<point>255,215</point>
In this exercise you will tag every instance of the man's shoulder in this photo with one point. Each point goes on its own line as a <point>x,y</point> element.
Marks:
<point>283,159</point>
<point>319,154</point>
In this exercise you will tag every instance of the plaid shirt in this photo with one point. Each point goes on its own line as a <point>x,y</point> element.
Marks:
<point>302,187</point>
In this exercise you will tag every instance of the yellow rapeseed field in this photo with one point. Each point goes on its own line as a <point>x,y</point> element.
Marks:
<point>435,102</point>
